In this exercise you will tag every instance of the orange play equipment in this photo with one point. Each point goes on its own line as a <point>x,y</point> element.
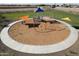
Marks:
<point>25,18</point>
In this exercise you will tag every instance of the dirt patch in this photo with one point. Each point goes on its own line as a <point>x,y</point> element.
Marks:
<point>51,34</point>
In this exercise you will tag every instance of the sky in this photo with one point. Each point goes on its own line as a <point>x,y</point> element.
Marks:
<point>37,1</point>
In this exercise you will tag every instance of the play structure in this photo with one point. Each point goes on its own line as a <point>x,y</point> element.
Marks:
<point>44,23</point>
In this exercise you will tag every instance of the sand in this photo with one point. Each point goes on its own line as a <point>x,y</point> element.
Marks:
<point>52,34</point>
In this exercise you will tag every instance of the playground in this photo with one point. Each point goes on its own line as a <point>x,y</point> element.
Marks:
<point>40,32</point>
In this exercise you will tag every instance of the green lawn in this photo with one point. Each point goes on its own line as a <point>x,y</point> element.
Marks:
<point>53,13</point>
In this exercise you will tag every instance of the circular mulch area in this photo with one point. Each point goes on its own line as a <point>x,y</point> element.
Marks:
<point>51,34</point>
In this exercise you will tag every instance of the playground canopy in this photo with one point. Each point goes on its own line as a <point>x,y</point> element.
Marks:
<point>39,9</point>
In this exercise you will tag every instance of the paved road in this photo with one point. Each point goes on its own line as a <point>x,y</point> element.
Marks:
<point>14,10</point>
<point>73,10</point>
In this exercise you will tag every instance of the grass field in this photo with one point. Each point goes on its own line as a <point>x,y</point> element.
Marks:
<point>53,13</point>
